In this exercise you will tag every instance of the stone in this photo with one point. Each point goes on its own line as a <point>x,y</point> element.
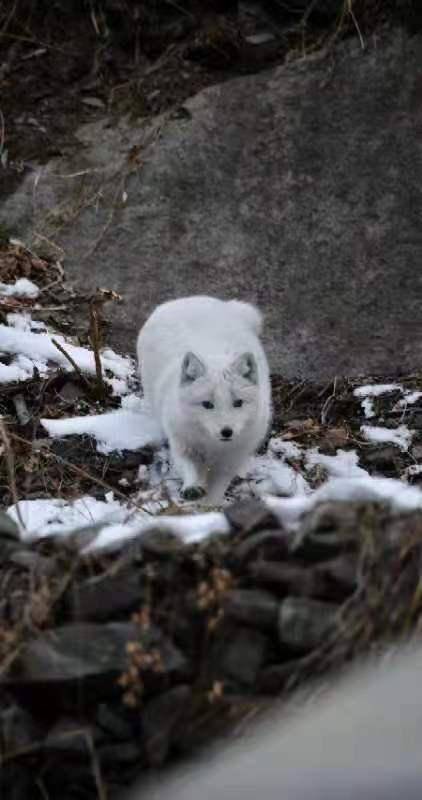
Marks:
<point>250,515</point>
<point>161,718</point>
<point>112,722</point>
<point>18,729</point>
<point>337,577</point>
<point>387,460</point>
<point>8,527</point>
<point>332,517</point>
<point>16,781</point>
<point>403,529</point>
<point>321,546</point>
<point>327,530</point>
<point>70,737</point>
<point>417,452</point>
<point>9,536</point>
<point>271,544</point>
<point>297,8</point>
<point>238,655</point>
<point>266,175</point>
<point>415,421</point>
<point>92,656</point>
<point>34,562</point>
<point>105,598</point>
<point>284,578</point>
<point>122,754</point>
<point>160,543</point>
<point>304,624</point>
<point>251,607</point>
<point>274,679</point>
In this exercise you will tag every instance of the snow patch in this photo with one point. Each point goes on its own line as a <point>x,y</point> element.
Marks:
<point>269,475</point>
<point>411,471</point>
<point>21,288</point>
<point>408,400</point>
<point>376,389</point>
<point>119,430</point>
<point>400,436</point>
<point>62,517</point>
<point>39,350</point>
<point>368,407</point>
<point>24,322</point>
<point>371,390</point>
<point>284,447</point>
<point>343,465</point>
<point>396,494</point>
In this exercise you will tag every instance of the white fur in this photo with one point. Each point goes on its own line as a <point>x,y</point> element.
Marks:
<point>200,349</point>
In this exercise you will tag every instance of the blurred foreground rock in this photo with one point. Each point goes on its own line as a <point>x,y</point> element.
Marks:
<point>131,660</point>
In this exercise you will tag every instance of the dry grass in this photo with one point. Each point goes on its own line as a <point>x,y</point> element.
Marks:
<point>386,607</point>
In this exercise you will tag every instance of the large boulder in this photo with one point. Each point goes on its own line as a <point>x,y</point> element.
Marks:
<point>298,188</point>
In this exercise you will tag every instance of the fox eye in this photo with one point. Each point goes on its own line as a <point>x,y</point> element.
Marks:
<point>207,404</point>
<point>237,403</point>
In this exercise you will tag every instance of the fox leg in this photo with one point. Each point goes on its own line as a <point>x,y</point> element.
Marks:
<point>193,477</point>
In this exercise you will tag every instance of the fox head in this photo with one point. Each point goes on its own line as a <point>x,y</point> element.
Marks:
<point>220,399</point>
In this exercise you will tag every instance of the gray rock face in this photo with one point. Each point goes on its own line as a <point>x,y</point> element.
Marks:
<point>298,188</point>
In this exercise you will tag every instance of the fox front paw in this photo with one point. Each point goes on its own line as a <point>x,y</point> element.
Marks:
<point>193,492</point>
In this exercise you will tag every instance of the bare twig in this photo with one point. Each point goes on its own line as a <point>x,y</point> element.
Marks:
<point>49,309</point>
<point>18,38</point>
<point>10,463</point>
<point>43,238</point>
<point>355,22</point>
<point>328,403</point>
<point>307,13</point>
<point>72,362</point>
<point>43,791</point>
<point>96,768</point>
<point>95,339</point>
<point>21,409</point>
<point>9,17</point>
<point>2,132</point>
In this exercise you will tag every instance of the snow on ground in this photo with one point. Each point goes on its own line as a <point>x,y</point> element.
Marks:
<point>62,518</point>
<point>36,350</point>
<point>279,476</point>
<point>401,436</point>
<point>343,465</point>
<point>398,495</point>
<point>24,322</point>
<point>284,447</point>
<point>128,428</point>
<point>376,389</point>
<point>411,472</point>
<point>21,288</point>
<point>408,399</point>
<point>368,407</point>
<point>269,475</point>
<point>371,390</point>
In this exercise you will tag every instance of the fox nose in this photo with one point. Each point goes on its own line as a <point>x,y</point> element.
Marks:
<point>226,433</point>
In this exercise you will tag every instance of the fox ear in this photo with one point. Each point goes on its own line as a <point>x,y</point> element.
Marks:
<point>192,368</point>
<point>246,367</point>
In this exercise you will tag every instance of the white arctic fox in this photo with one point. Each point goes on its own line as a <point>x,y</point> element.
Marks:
<point>206,379</point>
